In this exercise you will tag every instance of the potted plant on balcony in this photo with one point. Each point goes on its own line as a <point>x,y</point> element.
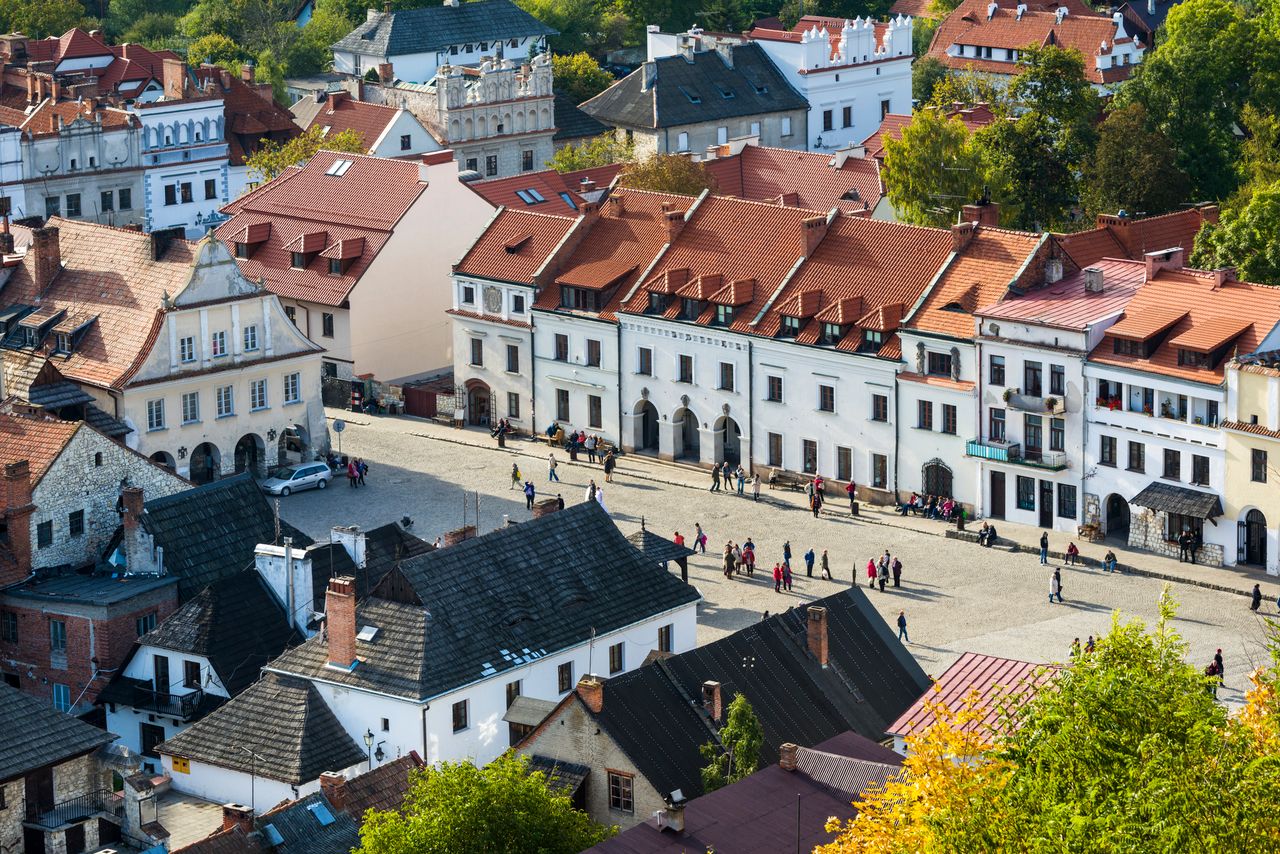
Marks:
<point>1008,393</point>
<point>1051,404</point>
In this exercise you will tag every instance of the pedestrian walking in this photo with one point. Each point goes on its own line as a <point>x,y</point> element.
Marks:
<point>352,474</point>
<point>826,566</point>
<point>815,503</point>
<point>1257,598</point>
<point>1044,548</point>
<point>551,468</point>
<point>741,474</point>
<point>786,552</point>
<point>591,490</point>
<point>362,468</point>
<point>515,477</point>
<point>809,558</point>
<point>727,563</point>
<point>777,578</point>
<point>559,501</point>
<point>1217,660</point>
<point>871,572</point>
<point>610,463</point>
<point>715,479</point>
<point>727,474</point>
<point>786,576</point>
<point>528,494</point>
<point>699,538</point>
<point>902,626</point>
<point>600,499</point>
<point>755,487</point>
<point>1073,555</point>
<point>1055,586</point>
<point>897,572</point>
<point>852,491</point>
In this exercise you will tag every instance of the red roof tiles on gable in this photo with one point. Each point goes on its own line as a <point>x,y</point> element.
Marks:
<point>249,116</point>
<point>798,178</point>
<point>39,441</point>
<point>534,235</point>
<point>1132,237</point>
<point>341,112</point>
<point>549,185</point>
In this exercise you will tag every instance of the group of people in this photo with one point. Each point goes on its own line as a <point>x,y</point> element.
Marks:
<point>880,570</point>
<point>727,474</point>
<point>1109,563</point>
<point>1188,544</point>
<point>930,507</point>
<point>356,470</point>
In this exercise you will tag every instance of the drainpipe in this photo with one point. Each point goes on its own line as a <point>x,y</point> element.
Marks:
<point>980,505</point>
<point>617,338</point>
<point>288,574</point>
<point>751,406</point>
<point>897,429</point>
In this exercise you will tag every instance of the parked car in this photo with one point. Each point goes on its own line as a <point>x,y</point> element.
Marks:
<point>296,478</point>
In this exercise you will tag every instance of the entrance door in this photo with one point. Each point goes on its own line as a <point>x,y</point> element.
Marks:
<point>40,790</point>
<point>997,495</point>
<point>75,839</point>
<point>149,735</point>
<point>1046,504</point>
<point>1255,538</point>
<point>1117,516</point>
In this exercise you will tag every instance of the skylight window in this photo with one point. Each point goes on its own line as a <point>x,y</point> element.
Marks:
<point>725,91</point>
<point>367,633</point>
<point>273,835</point>
<point>692,96</point>
<point>339,168</point>
<point>530,196</point>
<point>322,814</point>
<point>568,200</point>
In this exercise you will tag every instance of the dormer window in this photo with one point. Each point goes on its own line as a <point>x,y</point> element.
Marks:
<point>690,309</point>
<point>298,260</point>
<point>657,304</point>
<point>242,250</point>
<point>62,343</point>
<point>1125,347</point>
<point>724,315</point>
<point>831,333</point>
<point>1193,359</point>
<point>872,340</point>
<point>790,327</point>
<point>337,266</point>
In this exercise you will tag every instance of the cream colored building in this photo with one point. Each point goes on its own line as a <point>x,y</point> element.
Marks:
<point>1252,438</point>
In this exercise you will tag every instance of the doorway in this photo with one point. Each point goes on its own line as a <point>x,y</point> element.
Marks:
<point>206,463</point>
<point>729,437</point>
<point>479,405</point>
<point>1046,504</point>
<point>647,440</point>
<point>150,735</point>
<point>997,495</point>
<point>937,479</point>
<point>1253,532</point>
<point>687,431</point>
<point>1117,516</point>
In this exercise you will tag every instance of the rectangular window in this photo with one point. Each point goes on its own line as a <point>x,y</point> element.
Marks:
<point>1199,470</point>
<point>211,188</point>
<point>879,407</point>
<point>826,398</point>
<point>846,116</point>
<point>1057,379</point>
<point>75,523</point>
<point>257,394</point>
<point>621,792</point>
<point>645,358</point>
<point>526,160</point>
<point>61,697</point>
<point>251,338</point>
<point>884,108</point>
<point>996,425</point>
<point>948,419</point>
<point>724,315</point>
<point>298,261</point>
<point>1031,379</point>
<point>460,716</point>
<point>1026,493</point>
<point>170,194</point>
<point>664,638</point>
<point>44,535</point>
<point>879,471</point>
<point>1137,457</point>
<point>1107,451</point>
<point>1172,464</point>
<point>924,415</point>
<point>809,455</point>
<point>513,691</point>
<point>775,450</point>
<point>844,464</point>
<point>726,376</point>
<point>1057,434</point>
<point>473,164</point>
<point>57,636</point>
<point>774,389</point>
<point>513,405</point>
<point>406,141</point>
<point>108,200</point>
<point>786,125</point>
<point>940,364</point>
<point>562,348</point>
<point>185,192</point>
<point>686,369</point>
<point>477,352</point>
<point>126,199</point>
<point>292,387</point>
<point>190,407</point>
<point>1066,501</point>
<point>73,204</point>
<point>594,413</point>
<point>155,414</point>
<point>326,325</point>
<point>996,372</point>
<point>218,344</point>
<point>226,402</point>
<point>1258,466</point>
<point>682,141</point>
<point>615,658</point>
<point>828,120</point>
<point>491,165</point>
<point>564,677</point>
<point>722,135</point>
<point>8,627</point>
<point>468,295</point>
<point>562,404</point>
<point>190,674</point>
<point>513,359</point>
<point>593,353</point>
<point>517,303</point>
<point>145,623</point>
<point>187,349</point>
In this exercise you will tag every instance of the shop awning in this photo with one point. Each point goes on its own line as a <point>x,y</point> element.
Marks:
<point>1170,498</point>
<point>528,711</point>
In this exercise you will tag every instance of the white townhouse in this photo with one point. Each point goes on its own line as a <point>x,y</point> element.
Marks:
<point>1030,446</point>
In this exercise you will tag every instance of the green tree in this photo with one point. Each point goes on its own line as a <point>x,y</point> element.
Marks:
<point>1260,152</point>
<point>667,173</point>
<point>1033,183</point>
<point>215,48</point>
<point>501,808</point>
<point>597,151</point>
<point>41,18</point>
<point>738,753</point>
<point>579,76</point>
<point>311,53</point>
<point>926,74</point>
<point>1133,168</point>
<point>1050,83</point>
<point>274,157</point>
<point>1247,238</point>
<point>155,30</point>
<point>922,30</point>
<point>724,16</point>
<point>271,70</point>
<point>578,22</point>
<point>969,88</point>
<point>932,171</point>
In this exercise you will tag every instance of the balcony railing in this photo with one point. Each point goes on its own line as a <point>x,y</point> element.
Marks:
<point>1012,452</point>
<point>174,705</point>
<point>76,809</point>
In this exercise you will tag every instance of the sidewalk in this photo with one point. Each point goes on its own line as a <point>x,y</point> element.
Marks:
<point>1013,537</point>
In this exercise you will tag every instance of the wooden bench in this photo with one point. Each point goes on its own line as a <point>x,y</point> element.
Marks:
<point>788,480</point>
<point>555,441</point>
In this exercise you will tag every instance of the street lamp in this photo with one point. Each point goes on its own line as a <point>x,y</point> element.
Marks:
<point>368,743</point>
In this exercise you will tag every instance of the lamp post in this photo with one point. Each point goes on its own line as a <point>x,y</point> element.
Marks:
<point>368,743</point>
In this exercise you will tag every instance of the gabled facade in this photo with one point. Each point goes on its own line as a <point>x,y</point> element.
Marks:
<point>386,131</point>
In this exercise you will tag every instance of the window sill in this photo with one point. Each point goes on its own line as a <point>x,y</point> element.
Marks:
<point>772,400</point>
<point>225,415</point>
<point>1136,471</point>
<point>248,350</point>
<point>156,429</point>
<point>1108,465</point>
<point>189,423</point>
<point>292,402</point>
<point>258,409</point>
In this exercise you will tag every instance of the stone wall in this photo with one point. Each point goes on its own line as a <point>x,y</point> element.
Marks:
<point>71,780</point>
<point>1146,531</point>
<point>13,795</point>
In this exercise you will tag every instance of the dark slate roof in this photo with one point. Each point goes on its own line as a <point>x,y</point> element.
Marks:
<point>562,777</point>
<point>498,601</point>
<point>385,547</point>
<point>1172,498</point>
<point>657,548</point>
<point>57,395</point>
<point>573,123</point>
<point>36,734</point>
<point>383,788</point>
<point>210,532</point>
<point>237,623</point>
<point>104,423</point>
<point>688,92</point>
<point>310,825</point>
<point>281,719</point>
<point>94,589</point>
<point>437,26</point>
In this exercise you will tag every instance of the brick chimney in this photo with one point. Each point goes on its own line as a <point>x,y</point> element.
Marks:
<point>591,690</point>
<point>619,202</point>
<point>1165,259</point>
<point>818,633</point>
<point>545,507</point>
<point>131,502</point>
<point>385,72</point>
<point>17,521</point>
<point>712,700</point>
<point>175,79</point>
<point>786,757</point>
<point>675,223</point>
<point>466,532</point>
<point>246,72</point>
<point>340,621</point>
<point>815,228</point>
<point>961,234</point>
<point>983,213</point>
<point>47,255</point>
<point>334,787</point>
<point>140,552</point>
<point>237,815</point>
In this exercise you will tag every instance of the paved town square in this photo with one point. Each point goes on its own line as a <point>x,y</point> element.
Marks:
<point>957,596</point>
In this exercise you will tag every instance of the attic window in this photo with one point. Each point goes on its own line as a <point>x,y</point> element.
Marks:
<point>657,303</point>
<point>954,306</point>
<point>516,244</point>
<point>62,343</point>
<point>568,200</point>
<point>851,195</point>
<point>338,266</point>
<point>298,260</point>
<point>761,89</point>
<point>339,168</point>
<point>242,250</point>
<point>790,327</point>
<point>367,633</point>
<point>273,835</point>
<point>831,333</point>
<point>322,814</point>
<point>724,315</point>
<point>1196,360</point>
<point>530,196</point>
<point>725,91</point>
<point>693,97</point>
<point>872,339</point>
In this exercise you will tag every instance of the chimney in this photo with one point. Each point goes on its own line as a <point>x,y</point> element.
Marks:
<point>288,572</point>
<point>385,72</point>
<point>17,520</point>
<point>175,79</point>
<point>815,228</point>
<point>1151,7</point>
<point>1093,280</point>
<point>672,818</point>
<point>1165,259</point>
<point>1222,275</point>
<point>591,690</point>
<point>1022,8</point>
<point>246,72</point>
<point>237,815</point>
<point>712,700</point>
<point>545,507</point>
<point>142,556</point>
<point>983,213</point>
<point>466,532</point>
<point>1209,213</point>
<point>586,185</point>
<point>619,202</point>
<point>991,10</point>
<point>786,756</point>
<point>1053,271</point>
<point>961,234</point>
<point>352,540</point>
<point>55,88</point>
<point>818,633</point>
<point>334,787</point>
<point>47,254</point>
<point>340,622</point>
<point>6,236</point>
<point>724,47</point>
<point>131,501</point>
<point>675,224</point>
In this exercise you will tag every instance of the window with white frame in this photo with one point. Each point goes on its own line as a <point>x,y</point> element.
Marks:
<point>190,407</point>
<point>226,400</point>
<point>155,414</point>
<point>250,338</point>
<point>218,344</point>
<point>257,394</point>
<point>292,383</point>
<point>187,349</point>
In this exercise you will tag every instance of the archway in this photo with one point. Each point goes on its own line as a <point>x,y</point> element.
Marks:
<point>686,434</point>
<point>728,441</point>
<point>251,455</point>
<point>646,438</point>
<point>1253,544</point>
<point>479,404</point>
<point>164,458</point>
<point>937,479</point>
<point>206,463</point>
<point>292,447</point>
<point>1117,516</point>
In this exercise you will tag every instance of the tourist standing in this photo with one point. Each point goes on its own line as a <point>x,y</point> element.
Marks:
<point>786,576</point>
<point>897,572</point>
<point>528,494</point>
<point>741,474</point>
<point>902,626</point>
<point>777,578</point>
<point>871,572</point>
<point>610,463</point>
<point>1257,598</point>
<point>852,491</point>
<point>809,558</point>
<point>551,468</point>
<point>755,487</point>
<point>1044,548</point>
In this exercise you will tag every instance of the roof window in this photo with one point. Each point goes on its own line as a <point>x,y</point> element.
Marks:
<point>725,91</point>
<point>367,633</point>
<point>693,97</point>
<point>568,200</point>
<point>322,814</point>
<point>530,196</point>
<point>339,168</point>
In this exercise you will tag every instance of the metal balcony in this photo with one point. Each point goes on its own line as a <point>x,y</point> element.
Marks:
<point>76,809</point>
<point>172,705</point>
<point>1034,404</point>
<point>1012,452</point>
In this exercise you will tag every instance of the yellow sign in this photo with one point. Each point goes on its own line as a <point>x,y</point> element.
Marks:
<point>182,765</point>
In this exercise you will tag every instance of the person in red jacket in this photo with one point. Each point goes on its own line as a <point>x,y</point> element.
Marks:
<point>872,572</point>
<point>777,578</point>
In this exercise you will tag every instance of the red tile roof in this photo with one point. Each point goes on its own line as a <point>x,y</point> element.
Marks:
<point>1248,427</point>
<point>798,178</point>
<point>549,184</point>
<point>341,112</point>
<point>38,440</point>
<point>891,126</point>
<point>996,683</point>
<point>514,246</point>
<point>305,210</point>
<point>44,118</point>
<point>1067,304</point>
<point>1132,237</point>
<point>249,116</point>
